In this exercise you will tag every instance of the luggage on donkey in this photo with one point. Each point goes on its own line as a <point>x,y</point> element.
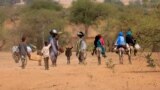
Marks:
<point>137,46</point>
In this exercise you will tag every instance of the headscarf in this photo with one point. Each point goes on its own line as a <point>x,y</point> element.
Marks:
<point>129,33</point>
<point>120,34</point>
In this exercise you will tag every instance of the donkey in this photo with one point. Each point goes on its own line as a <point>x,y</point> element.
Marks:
<point>68,54</point>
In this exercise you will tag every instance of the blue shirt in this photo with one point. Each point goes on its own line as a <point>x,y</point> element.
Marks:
<point>120,41</point>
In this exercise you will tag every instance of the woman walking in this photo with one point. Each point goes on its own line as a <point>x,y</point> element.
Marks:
<point>54,47</point>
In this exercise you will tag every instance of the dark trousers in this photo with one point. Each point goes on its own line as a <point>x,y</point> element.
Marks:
<point>46,63</point>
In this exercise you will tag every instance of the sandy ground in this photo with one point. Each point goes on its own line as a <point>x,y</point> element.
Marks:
<point>78,77</point>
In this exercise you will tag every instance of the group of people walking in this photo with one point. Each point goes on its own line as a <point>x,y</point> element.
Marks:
<point>125,42</point>
<point>49,50</point>
<point>51,47</point>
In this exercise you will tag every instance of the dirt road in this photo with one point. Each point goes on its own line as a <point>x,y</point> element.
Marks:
<point>78,77</point>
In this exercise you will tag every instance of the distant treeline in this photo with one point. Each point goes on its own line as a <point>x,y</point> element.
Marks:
<point>38,17</point>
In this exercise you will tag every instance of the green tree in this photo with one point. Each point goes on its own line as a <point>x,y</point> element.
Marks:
<point>38,18</point>
<point>2,19</point>
<point>45,4</point>
<point>86,12</point>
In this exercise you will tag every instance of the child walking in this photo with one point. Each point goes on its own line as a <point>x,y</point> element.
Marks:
<point>45,52</point>
<point>23,52</point>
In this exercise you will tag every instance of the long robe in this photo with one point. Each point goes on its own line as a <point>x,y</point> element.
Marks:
<point>54,50</point>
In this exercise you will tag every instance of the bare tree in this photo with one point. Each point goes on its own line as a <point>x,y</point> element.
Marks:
<point>2,43</point>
